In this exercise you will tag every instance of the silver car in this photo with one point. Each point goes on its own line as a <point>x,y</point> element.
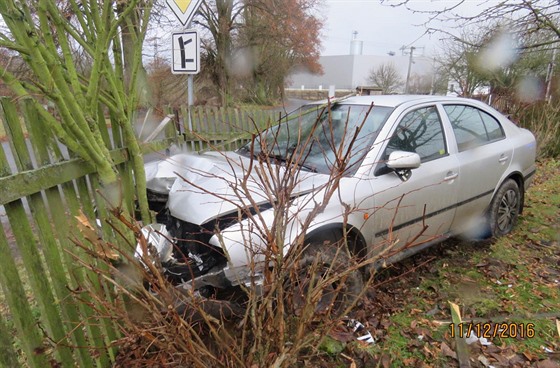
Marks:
<point>417,170</point>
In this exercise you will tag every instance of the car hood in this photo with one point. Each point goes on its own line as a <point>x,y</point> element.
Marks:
<point>209,185</point>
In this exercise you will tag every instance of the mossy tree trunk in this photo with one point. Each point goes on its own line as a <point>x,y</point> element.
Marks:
<point>46,34</point>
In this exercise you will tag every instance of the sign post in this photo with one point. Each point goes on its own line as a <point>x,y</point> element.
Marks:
<point>186,47</point>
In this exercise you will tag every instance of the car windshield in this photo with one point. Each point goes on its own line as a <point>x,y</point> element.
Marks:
<point>315,136</point>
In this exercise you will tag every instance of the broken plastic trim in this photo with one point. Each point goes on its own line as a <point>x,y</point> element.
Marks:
<point>157,236</point>
<point>360,331</point>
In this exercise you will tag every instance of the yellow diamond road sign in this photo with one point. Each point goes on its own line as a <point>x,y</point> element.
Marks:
<point>184,9</point>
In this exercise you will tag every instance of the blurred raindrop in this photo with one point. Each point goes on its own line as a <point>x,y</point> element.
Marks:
<point>241,63</point>
<point>499,53</point>
<point>529,89</point>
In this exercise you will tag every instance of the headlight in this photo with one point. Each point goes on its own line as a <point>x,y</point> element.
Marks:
<point>157,236</point>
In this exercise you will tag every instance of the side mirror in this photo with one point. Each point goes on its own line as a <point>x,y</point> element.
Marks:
<point>403,162</point>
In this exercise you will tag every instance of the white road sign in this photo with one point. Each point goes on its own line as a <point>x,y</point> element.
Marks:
<point>184,9</point>
<point>186,52</point>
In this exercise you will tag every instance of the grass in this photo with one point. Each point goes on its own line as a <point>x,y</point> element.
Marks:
<point>3,136</point>
<point>515,279</point>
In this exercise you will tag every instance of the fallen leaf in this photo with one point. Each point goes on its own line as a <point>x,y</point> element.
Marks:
<point>90,234</point>
<point>342,336</point>
<point>385,361</point>
<point>409,362</point>
<point>86,229</point>
<point>530,357</point>
<point>547,363</point>
<point>482,359</point>
<point>501,360</point>
<point>447,351</point>
<point>455,313</point>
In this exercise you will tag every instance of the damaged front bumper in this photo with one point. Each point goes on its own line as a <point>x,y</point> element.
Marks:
<point>189,261</point>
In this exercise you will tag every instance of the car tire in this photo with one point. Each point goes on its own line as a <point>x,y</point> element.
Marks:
<point>320,260</point>
<point>504,209</point>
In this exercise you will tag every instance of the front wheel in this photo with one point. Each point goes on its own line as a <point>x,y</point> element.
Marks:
<point>326,279</point>
<point>505,208</point>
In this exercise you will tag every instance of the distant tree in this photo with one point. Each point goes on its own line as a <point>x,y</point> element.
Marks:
<point>167,89</point>
<point>491,57</point>
<point>459,62</point>
<point>521,17</point>
<point>222,20</point>
<point>282,35</point>
<point>534,25</point>
<point>386,77</point>
<point>257,43</point>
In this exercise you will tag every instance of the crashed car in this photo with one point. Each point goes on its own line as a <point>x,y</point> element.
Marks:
<point>418,169</point>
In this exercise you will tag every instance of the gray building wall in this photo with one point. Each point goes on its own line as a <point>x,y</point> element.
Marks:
<point>350,71</point>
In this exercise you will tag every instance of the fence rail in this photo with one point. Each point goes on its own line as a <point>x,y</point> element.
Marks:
<point>206,128</point>
<point>44,319</point>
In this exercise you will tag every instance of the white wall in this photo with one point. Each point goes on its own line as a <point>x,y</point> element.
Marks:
<point>350,71</point>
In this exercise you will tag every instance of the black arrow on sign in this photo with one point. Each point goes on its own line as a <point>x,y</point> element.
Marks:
<point>182,45</point>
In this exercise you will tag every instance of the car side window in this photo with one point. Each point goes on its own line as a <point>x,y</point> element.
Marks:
<point>473,127</point>
<point>419,131</point>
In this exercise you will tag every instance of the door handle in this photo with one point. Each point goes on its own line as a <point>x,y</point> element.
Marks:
<point>450,176</point>
<point>503,158</point>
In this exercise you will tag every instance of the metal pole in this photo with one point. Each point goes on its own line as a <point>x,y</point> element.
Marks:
<point>409,67</point>
<point>549,74</point>
<point>433,85</point>
<point>190,100</point>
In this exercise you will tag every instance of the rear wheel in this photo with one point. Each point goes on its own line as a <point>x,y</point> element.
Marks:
<point>325,278</point>
<point>505,208</point>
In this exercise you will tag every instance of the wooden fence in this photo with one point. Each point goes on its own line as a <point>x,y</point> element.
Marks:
<point>44,319</point>
<point>227,129</point>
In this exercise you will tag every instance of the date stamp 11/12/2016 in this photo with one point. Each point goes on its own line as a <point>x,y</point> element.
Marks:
<point>490,330</point>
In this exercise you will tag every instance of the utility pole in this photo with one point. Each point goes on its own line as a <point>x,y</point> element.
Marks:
<point>549,74</point>
<point>412,48</point>
<point>433,84</point>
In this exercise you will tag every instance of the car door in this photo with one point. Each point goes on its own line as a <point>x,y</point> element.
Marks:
<point>413,213</point>
<point>484,155</point>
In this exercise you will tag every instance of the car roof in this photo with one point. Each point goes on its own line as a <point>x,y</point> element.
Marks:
<point>391,100</point>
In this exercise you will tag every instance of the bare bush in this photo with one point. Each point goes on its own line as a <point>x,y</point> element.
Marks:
<point>542,120</point>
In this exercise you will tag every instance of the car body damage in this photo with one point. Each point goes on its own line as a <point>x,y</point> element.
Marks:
<point>416,170</point>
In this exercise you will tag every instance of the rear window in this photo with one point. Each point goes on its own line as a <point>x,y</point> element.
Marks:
<point>473,127</point>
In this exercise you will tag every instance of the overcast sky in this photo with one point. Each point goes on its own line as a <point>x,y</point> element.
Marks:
<point>382,28</point>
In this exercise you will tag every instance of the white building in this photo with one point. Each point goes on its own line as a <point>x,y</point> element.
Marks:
<point>346,72</point>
